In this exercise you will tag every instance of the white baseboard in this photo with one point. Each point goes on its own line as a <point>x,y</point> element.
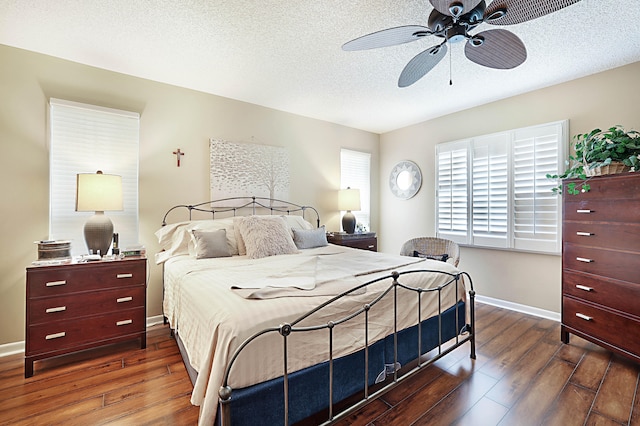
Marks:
<point>18,347</point>
<point>554,316</point>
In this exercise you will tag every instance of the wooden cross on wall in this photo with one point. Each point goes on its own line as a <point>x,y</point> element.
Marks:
<point>178,155</point>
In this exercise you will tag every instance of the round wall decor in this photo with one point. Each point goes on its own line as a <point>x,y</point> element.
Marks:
<point>405,179</point>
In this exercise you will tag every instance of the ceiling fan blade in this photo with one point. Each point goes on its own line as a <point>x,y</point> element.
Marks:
<point>421,64</point>
<point>509,12</point>
<point>500,49</point>
<point>388,37</point>
<point>454,7</point>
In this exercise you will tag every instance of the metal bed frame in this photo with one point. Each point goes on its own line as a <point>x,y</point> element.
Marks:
<point>286,329</point>
<point>466,332</point>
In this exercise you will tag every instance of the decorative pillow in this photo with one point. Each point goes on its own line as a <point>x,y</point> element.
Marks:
<point>211,244</point>
<point>175,238</point>
<point>265,236</point>
<point>242,249</point>
<point>440,257</point>
<point>296,222</point>
<point>310,238</point>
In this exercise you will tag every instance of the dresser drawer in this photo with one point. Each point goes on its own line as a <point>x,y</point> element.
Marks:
<point>618,236</point>
<point>607,263</point>
<point>48,337</point>
<point>44,310</point>
<point>616,295</point>
<point>59,280</point>
<point>602,324</point>
<point>601,210</point>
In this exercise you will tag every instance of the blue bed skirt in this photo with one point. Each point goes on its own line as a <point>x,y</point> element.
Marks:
<point>263,404</point>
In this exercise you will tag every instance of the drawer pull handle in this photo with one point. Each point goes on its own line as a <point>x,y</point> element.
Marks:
<point>124,299</point>
<point>583,316</point>
<point>584,211</point>
<point>124,322</point>
<point>371,246</point>
<point>56,309</point>
<point>584,234</point>
<point>584,259</point>
<point>124,275</point>
<point>55,283</point>
<point>584,287</point>
<point>55,335</point>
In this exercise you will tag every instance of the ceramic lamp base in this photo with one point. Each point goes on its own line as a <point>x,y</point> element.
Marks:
<point>98,231</point>
<point>349,222</point>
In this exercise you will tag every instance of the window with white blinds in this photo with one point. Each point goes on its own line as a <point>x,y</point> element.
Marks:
<point>85,139</point>
<point>492,190</point>
<point>355,172</point>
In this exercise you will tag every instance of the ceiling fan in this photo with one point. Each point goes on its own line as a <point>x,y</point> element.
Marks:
<point>451,21</point>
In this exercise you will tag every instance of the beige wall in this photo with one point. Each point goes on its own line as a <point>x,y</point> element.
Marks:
<point>601,100</point>
<point>171,118</point>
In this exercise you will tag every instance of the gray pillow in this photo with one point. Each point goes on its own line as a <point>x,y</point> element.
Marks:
<point>310,238</point>
<point>211,244</point>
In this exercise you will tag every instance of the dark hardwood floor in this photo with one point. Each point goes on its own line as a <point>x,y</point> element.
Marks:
<point>523,375</point>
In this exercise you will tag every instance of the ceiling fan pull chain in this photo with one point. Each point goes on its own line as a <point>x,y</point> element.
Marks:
<point>450,69</point>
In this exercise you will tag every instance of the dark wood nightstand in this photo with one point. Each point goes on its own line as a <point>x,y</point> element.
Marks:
<point>77,306</point>
<point>364,240</point>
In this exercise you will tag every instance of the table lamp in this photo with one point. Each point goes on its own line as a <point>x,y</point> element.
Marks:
<point>349,199</point>
<point>98,192</point>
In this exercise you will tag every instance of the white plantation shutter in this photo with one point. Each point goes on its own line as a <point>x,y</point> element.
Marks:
<point>537,151</point>
<point>355,172</point>
<point>452,191</point>
<point>510,203</point>
<point>490,197</point>
<point>85,139</point>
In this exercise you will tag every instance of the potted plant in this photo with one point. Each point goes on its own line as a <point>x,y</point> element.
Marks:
<point>600,153</point>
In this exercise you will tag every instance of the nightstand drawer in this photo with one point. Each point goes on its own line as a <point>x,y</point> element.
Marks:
<point>46,310</point>
<point>616,295</point>
<point>364,241</point>
<point>59,280</point>
<point>613,328</point>
<point>68,334</point>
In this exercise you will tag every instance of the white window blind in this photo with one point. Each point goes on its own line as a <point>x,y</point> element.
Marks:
<point>452,190</point>
<point>85,139</point>
<point>490,198</point>
<point>355,171</point>
<point>510,203</point>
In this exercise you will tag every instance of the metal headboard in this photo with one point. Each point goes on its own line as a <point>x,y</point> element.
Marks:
<point>240,204</point>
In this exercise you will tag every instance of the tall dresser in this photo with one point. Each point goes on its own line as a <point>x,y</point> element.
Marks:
<point>601,264</point>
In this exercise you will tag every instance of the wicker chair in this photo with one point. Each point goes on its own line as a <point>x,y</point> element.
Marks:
<point>432,246</point>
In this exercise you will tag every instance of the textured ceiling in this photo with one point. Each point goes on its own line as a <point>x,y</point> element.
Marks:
<point>287,55</point>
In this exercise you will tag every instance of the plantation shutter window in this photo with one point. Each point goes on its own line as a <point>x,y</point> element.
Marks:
<point>452,191</point>
<point>510,203</point>
<point>84,139</point>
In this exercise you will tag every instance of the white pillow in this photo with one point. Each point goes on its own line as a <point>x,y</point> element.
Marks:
<point>175,238</point>
<point>297,222</point>
<point>210,244</point>
<point>310,238</point>
<point>265,236</point>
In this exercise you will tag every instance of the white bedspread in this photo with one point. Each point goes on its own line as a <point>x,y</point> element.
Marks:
<point>213,320</point>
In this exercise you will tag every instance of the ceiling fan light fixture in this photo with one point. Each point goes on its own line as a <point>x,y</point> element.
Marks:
<point>456,34</point>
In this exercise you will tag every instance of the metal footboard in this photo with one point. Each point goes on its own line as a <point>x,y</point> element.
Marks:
<point>465,333</point>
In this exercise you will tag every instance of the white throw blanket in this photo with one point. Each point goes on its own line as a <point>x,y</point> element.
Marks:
<point>325,273</point>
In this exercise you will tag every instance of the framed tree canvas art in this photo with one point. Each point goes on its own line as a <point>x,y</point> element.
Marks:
<point>248,169</point>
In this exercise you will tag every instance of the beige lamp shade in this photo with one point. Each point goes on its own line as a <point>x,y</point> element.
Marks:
<point>349,199</point>
<point>98,192</point>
